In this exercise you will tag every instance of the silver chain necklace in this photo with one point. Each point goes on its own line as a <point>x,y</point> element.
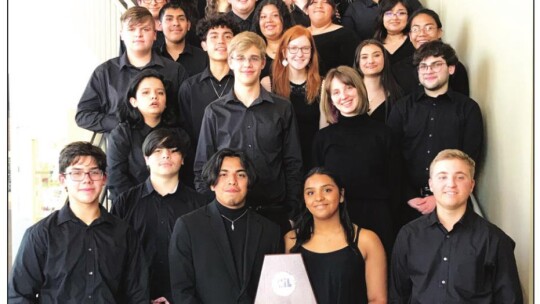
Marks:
<point>232,221</point>
<point>222,91</point>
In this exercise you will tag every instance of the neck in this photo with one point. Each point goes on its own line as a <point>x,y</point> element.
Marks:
<point>164,184</point>
<point>152,121</point>
<point>449,218</point>
<point>373,82</point>
<point>320,28</point>
<point>331,226</point>
<point>242,16</point>
<point>175,49</point>
<point>271,47</point>
<point>219,69</point>
<point>139,59</point>
<point>437,92</point>
<point>247,94</point>
<point>85,212</point>
<point>393,37</point>
<point>297,76</point>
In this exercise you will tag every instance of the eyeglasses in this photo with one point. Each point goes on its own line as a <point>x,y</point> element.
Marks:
<point>435,66</point>
<point>78,175</point>
<point>428,29</point>
<point>294,49</point>
<point>390,14</point>
<point>251,59</point>
<point>150,1</point>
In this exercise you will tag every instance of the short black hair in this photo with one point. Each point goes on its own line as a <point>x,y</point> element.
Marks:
<point>73,152</point>
<point>425,11</point>
<point>211,169</point>
<point>175,5</point>
<point>166,138</point>
<point>435,48</point>
<point>222,20</point>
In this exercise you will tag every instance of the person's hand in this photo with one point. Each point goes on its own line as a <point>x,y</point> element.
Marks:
<point>160,300</point>
<point>417,203</point>
<point>429,204</point>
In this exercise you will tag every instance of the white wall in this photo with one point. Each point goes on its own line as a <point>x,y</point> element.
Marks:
<point>494,40</point>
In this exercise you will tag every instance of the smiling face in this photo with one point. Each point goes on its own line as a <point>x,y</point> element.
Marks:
<point>153,6</point>
<point>451,183</point>
<point>175,25</point>
<point>138,37</point>
<point>242,8</point>
<point>320,12</point>
<point>232,184</point>
<point>216,43</point>
<point>270,22</point>
<point>344,97</point>
<point>322,197</point>
<point>395,20</point>
<point>164,162</point>
<point>371,61</point>
<point>300,59</point>
<point>86,191</point>
<point>150,98</point>
<point>424,29</point>
<point>247,66</point>
<point>435,78</point>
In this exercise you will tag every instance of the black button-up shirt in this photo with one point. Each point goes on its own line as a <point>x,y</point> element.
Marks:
<point>63,260</point>
<point>242,24</point>
<point>193,59</point>
<point>153,217</point>
<point>424,126</point>
<point>108,86</point>
<point>473,263</point>
<point>267,132</point>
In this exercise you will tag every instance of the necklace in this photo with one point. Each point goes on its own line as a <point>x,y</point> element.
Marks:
<point>222,91</point>
<point>232,221</point>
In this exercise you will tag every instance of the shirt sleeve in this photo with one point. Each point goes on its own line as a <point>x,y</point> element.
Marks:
<point>93,106</point>
<point>206,147</point>
<point>136,285</point>
<point>506,288</point>
<point>27,276</point>
<point>400,285</point>
<point>118,151</point>
<point>292,162</point>
<point>184,108</point>
<point>473,133</point>
<point>181,265</point>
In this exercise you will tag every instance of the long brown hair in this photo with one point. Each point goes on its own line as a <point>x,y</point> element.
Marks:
<point>280,73</point>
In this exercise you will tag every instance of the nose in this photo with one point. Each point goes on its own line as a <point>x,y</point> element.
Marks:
<point>232,179</point>
<point>166,153</point>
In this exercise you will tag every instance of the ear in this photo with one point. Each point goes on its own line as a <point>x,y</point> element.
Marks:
<point>212,188</point>
<point>188,25</point>
<point>342,195</point>
<point>62,179</point>
<point>439,33</point>
<point>451,69</point>
<point>133,102</point>
<point>473,184</point>
<point>430,182</point>
<point>204,46</point>
<point>146,160</point>
<point>232,64</point>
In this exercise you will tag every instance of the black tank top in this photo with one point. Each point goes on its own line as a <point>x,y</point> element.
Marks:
<point>337,277</point>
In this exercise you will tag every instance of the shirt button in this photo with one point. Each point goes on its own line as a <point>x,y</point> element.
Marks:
<point>447,236</point>
<point>90,273</point>
<point>89,249</point>
<point>163,222</point>
<point>428,151</point>
<point>432,118</point>
<point>89,297</point>
<point>443,282</point>
<point>427,169</point>
<point>434,104</point>
<point>249,146</point>
<point>430,135</point>
<point>445,259</point>
<point>249,127</point>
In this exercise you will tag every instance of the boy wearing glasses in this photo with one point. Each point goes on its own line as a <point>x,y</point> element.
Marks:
<point>430,120</point>
<point>81,253</point>
<point>263,126</point>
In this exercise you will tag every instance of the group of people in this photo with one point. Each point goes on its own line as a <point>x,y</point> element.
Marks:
<point>208,144</point>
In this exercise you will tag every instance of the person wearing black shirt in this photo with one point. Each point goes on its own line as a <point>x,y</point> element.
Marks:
<point>426,26</point>
<point>452,255</point>
<point>214,81</point>
<point>176,24</point>
<point>262,124</point>
<point>216,252</point>
<point>81,253</point>
<point>430,120</point>
<point>153,206</point>
<point>146,109</point>
<point>108,84</point>
<point>242,13</point>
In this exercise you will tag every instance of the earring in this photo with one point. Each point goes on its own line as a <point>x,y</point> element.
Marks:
<point>284,62</point>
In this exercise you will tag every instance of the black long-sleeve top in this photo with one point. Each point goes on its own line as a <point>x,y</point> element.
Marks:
<point>242,24</point>
<point>335,48</point>
<point>108,86</point>
<point>193,59</point>
<point>406,76</point>
<point>472,263</point>
<point>152,216</point>
<point>126,166</point>
<point>361,16</point>
<point>424,126</point>
<point>63,260</point>
<point>268,133</point>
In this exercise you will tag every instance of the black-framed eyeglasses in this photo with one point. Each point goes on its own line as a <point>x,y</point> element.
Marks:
<point>435,66</point>
<point>294,49</point>
<point>78,175</point>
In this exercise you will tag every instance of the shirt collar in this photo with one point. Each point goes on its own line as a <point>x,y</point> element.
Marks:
<point>156,59</point>
<point>207,74</point>
<point>65,215</point>
<point>148,189</point>
<point>264,95</point>
<point>466,220</point>
<point>422,95</point>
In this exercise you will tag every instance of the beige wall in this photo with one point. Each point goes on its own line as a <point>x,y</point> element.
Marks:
<point>494,40</point>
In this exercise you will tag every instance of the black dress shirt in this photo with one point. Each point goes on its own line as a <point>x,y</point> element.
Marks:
<point>153,217</point>
<point>63,260</point>
<point>195,94</point>
<point>335,48</point>
<point>406,76</point>
<point>361,15</point>
<point>424,126</point>
<point>193,59</point>
<point>243,25</point>
<point>267,132</point>
<point>108,86</point>
<point>473,263</point>
<point>126,166</point>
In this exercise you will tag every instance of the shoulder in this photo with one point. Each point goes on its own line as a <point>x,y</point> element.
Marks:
<point>493,232</point>
<point>128,199</point>
<point>121,130</point>
<point>368,242</point>
<point>289,240</point>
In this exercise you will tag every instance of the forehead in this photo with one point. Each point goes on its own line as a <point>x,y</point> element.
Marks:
<point>431,59</point>
<point>319,180</point>
<point>399,6</point>
<point>219,30</point>
<point>83,161</point>
<point>422,19</point>
<point>337,83</point>
<point>174,12</point>
<point>451,166</point>
<point>370,48</point>
<point>231,164</point>
<point>139,23</point>
<point>252,50</point>
<point>150,82</point>
<point>269,8</point>
<point>302,40</point>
